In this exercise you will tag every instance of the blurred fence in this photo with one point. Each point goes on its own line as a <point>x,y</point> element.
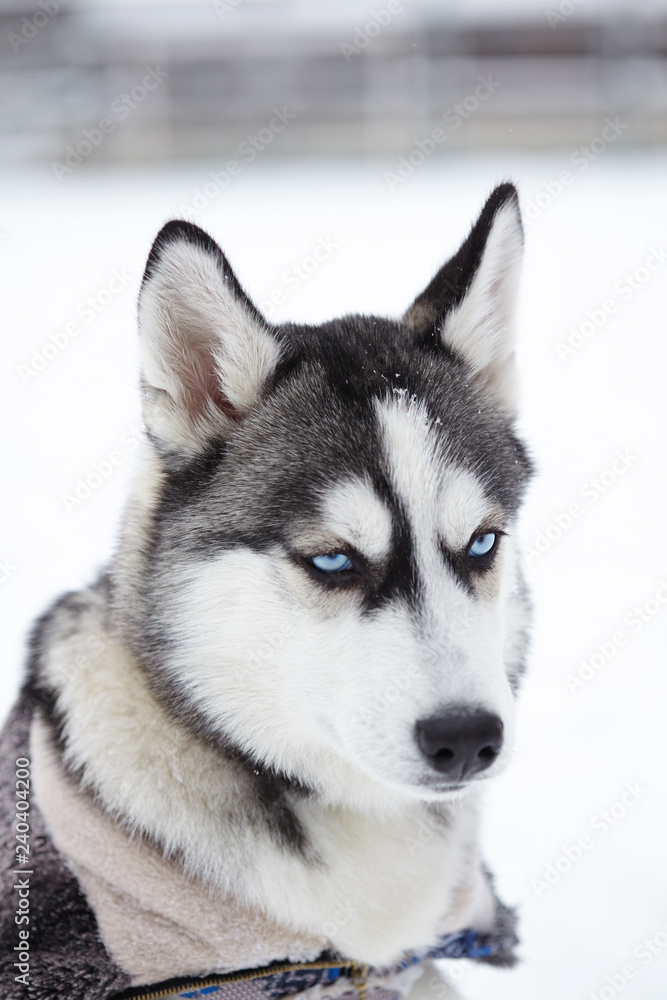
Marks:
<point>139,81</point>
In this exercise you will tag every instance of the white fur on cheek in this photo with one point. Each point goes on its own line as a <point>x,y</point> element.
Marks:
<point>234,636</point>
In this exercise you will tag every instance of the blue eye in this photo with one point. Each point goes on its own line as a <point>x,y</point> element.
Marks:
<point>482,545</point>
<point>333,562</point>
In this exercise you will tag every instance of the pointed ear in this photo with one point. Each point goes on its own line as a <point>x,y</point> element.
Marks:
<point>206,351</point>
<point>469,305</point>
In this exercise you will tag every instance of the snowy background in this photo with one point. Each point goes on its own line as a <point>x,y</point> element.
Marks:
<point>576,829</point>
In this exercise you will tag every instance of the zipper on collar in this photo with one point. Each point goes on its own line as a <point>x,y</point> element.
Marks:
<point>357,972</point>
<point>359,977</point>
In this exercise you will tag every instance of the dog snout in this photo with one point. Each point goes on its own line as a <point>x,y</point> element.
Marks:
<point>460,744</point>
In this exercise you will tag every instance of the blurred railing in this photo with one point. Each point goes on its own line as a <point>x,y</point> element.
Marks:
<point>172,80</point>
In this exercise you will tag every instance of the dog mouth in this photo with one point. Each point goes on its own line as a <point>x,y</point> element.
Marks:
<point>461,786</point>
<point>454,788</point>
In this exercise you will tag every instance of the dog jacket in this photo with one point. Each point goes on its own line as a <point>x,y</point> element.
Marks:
<point>88,912</point>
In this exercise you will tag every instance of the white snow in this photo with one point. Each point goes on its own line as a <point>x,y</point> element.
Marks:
<point>62,242</point>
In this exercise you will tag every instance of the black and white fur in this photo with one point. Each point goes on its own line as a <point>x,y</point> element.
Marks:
<point>262,716</point>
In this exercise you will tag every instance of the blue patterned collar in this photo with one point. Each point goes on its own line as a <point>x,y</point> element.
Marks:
<point>281,980</point>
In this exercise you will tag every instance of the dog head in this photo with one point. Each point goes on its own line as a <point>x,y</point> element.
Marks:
<point>327,580</point>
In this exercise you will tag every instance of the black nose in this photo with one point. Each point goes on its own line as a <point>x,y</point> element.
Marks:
<point>459,744</point>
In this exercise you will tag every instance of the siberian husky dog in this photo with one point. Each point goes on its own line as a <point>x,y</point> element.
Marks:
<point>299,670</point>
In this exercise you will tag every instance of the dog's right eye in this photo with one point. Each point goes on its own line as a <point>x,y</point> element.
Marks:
<point>482,545</point>
<point>332,562</point>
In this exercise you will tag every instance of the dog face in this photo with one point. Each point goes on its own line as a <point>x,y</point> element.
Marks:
<point>325,521</point>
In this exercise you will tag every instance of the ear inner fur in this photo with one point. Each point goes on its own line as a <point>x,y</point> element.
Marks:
<point>207,352</point>
<point>468,306</point>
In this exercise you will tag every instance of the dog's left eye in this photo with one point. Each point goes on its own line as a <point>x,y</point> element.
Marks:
<point>483,545</point>
<point>332,562</point>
